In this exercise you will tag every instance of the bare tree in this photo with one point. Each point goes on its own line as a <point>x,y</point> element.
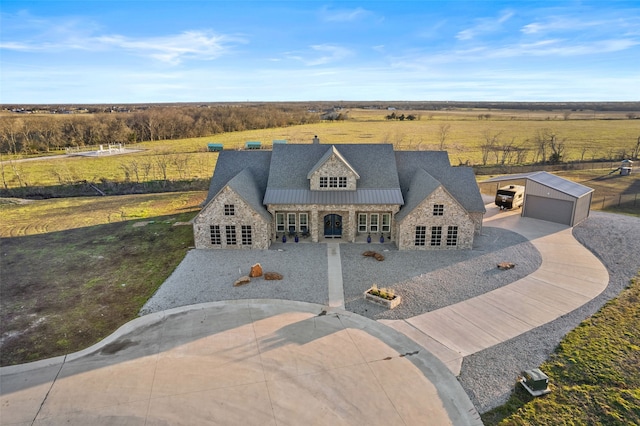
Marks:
<point>489,145</point>
<point>443,132</point>
<point>557,148</point>
<point>636,150</point>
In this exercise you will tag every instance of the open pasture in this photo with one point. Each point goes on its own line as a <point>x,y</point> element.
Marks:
<point>464,135</point>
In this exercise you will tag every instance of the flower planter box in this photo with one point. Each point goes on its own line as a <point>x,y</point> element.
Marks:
<point>387,303</point>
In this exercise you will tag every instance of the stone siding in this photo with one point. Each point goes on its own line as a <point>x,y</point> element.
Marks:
<point>213,214</point>
<point>454,215</point>
<point>336,168</point>
<point>317,213</point>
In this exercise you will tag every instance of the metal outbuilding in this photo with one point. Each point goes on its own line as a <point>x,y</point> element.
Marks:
<point>552,198</point>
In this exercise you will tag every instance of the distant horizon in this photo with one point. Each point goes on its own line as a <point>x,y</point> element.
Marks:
<point>635,104</point>
<point>159,52</point>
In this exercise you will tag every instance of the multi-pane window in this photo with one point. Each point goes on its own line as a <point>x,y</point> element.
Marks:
<point>229,210</point>
<point>231,235</point>
<point>373,222</point>
<point>291,222</point>
<point>452,236</point>
<point>333,182</point>
<point>246,235</point>
<point>304,220</point>
<point>421,234</point>
<point>215,234</point>
<point>362,222</point>
<point>436,235</point>
<point>438,209</point>
<point>279,222</point>
<point>386,222</point>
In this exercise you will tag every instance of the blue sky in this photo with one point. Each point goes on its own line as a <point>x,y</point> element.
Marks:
<point>234,50</point>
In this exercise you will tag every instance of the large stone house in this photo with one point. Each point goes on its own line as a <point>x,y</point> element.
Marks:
<point>348,191</point>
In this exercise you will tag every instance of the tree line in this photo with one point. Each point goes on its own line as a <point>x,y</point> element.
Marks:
<point>42,133</point>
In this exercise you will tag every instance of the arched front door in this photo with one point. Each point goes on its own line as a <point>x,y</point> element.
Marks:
<point>333,226</point>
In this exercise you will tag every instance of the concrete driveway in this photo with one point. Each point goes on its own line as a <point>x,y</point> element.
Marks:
<point>240,362</point>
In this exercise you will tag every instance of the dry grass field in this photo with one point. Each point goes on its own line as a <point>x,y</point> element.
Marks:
<point>586,135</point>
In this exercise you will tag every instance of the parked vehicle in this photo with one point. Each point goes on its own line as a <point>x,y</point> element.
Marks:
<point>510,197</point>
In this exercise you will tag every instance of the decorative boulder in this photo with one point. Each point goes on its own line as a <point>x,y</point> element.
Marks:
<point>369,253</point>
<point>378,257</point>
<point>272,276</point>
<point>506,265</point>
<point>256,271</point>
<point>242,281</point>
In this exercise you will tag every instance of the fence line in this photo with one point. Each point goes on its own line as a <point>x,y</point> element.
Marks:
<point>615,200</point>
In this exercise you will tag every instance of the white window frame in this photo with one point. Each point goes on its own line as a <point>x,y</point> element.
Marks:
<point>386,222</point>
<point>280,222</point>
<point>342,182</point>
<point>374,225</point>
<point>324,182</point>
<point>291,223</point>
<point>303,220</point>
<point>362,227</point>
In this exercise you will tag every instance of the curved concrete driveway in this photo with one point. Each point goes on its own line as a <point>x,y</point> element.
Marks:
<point>245,362</point>
<point>569,276</point>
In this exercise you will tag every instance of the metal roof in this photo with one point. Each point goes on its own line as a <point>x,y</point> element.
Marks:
<point>558,183</point>
<point>359,196</point>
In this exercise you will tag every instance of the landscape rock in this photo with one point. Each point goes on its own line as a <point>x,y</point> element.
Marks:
<point>242,281</point>
<point>369,253</point>
<point>378,257</point>
<point>256,271</point>
<point>272,276</point>
<point>506,265</point>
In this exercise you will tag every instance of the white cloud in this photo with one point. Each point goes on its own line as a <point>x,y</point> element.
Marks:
<point>77,34</point>
<point>202,45</point>
<point>484,26</point>
<point>329,53</point>
<point>343,15</point>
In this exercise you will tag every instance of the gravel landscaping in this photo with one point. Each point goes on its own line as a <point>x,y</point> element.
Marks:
<point>489,376</point>
<point>425,280</point>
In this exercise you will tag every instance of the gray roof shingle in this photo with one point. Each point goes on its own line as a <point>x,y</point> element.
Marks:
<point>386,177</point>
<point>291,164</point>
<point>460,182</point>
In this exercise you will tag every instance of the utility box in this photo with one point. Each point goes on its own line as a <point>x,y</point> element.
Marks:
<point>535,382</point>
<point>625,167</point>
<point>510,197</point>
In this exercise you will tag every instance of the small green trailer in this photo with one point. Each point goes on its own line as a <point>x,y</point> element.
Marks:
<point>214,147</point>
<point>253,145</point>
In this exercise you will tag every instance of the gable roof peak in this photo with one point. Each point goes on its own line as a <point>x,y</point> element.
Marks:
<point>333,151</point>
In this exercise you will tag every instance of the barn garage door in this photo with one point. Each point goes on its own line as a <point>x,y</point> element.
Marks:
<point>549,209</point>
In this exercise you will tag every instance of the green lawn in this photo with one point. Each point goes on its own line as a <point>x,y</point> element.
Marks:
<point>594,374</point>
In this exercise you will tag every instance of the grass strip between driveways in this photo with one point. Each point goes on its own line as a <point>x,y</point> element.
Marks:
<point>594,374</point>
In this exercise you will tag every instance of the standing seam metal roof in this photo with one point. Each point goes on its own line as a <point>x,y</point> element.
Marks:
<point>558,183</point>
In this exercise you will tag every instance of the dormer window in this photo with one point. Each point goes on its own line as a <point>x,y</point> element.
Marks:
<point>333,181</point>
